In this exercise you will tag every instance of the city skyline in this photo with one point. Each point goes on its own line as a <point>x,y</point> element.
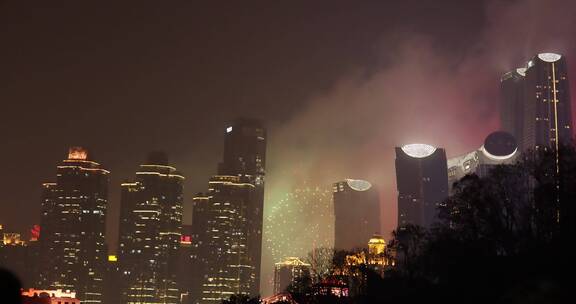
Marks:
<point>287,109</point>
<point>337,86</point>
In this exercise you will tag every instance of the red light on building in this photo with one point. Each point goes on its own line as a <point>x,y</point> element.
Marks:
<point>185,239</point>
<point>35,233</point>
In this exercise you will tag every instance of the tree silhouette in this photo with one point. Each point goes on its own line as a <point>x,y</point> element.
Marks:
<point>321,261</point>
<point>241,299</point>
<point>497,235</point>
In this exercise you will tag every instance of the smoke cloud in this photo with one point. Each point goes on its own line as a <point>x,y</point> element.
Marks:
<point>423,92</point>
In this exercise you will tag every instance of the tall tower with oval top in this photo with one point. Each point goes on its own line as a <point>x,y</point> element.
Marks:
<point>356,213</point>
<point>536,104</point>
<point>421,172</point>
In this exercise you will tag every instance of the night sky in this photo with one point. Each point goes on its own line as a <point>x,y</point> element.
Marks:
<point>338,84</point>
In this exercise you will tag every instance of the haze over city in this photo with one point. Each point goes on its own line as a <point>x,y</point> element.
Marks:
<point>337,85</point>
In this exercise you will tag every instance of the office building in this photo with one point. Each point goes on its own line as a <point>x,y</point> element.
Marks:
<point>186,259</point>
<point>421,178</point>
<point>356,213</point>
<point>200,253</point>
<point>150,233</point>
<point>73,220</point>
<point>536,104</point>
<point>230,231</point>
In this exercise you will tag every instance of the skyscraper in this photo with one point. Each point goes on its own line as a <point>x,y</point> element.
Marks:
<point>73,252</point>
<point>150,230</point>
<point>186,260</point>
<point>536,105</point>
<point>231,229</point>
<point>199,249</point>
<point>421,172</point>
<point>356,213</point>
<point>512,90</point>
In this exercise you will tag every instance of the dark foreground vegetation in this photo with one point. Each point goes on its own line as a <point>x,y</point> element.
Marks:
<point>504,238</point>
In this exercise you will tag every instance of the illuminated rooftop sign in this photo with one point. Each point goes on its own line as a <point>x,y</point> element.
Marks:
<point>549,57</point>
<point>77,153</point>
<point>358,184</point>
<point>418,150</point>
<point>229,129</point>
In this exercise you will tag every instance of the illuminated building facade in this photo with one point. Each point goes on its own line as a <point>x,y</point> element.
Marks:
<point>186,261</point>
<point>288,272</point>
<point>112,279</point>
<point>421,172</point>
<point>499,148</point>
<point>536,104</point>
<point>356,213</point>
<point>376,245</point>
<point>245,157</point>
<point>19,256</point>
<point>231,229</point>
<point>37,296</point>
<point>150,233</point>
<point>72,249</point>
<point>332,286</point>
<point>199,251</point>
<point>12,239</point>
<point>376,259</point>
<point>229,268</point>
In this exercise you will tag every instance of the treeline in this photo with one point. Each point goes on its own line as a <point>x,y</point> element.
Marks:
<point>503,238</point>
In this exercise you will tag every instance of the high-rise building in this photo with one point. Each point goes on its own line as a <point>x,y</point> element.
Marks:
<point>421,172</point>
<point>199,249</point>
<point>73,252</point>
<point>512,90</point>
<point>112,281</point>
<point>288,272</point>
<point>150,232</point>
<point>536,105</point>
<point>231,229</point>
<point>356,213</point>
<point>230,268</point>
<point>499,148</point>
<point>186,261</point>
